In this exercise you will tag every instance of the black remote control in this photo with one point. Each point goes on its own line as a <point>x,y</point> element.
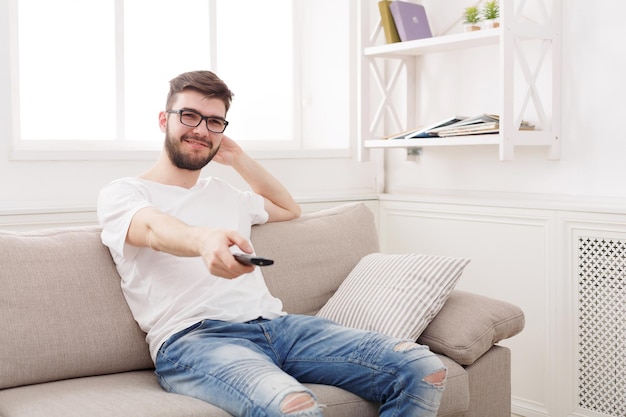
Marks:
<point>246,259</point>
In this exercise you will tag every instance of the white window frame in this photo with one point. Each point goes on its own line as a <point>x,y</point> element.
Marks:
<point>71,150</point>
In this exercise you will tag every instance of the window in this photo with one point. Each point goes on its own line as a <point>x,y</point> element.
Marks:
<point>93,75</point>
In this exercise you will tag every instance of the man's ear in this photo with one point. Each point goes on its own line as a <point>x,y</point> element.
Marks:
<point>163,121</point>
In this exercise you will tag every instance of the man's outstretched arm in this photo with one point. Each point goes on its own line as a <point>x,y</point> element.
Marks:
<point>161,232</point>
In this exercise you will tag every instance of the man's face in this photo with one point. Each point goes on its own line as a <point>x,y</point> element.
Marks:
<point>188,147</point>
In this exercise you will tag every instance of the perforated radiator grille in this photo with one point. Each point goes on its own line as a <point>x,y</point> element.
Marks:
<point>602,326</point>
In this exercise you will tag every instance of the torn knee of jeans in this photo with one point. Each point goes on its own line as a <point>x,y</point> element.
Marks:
<point>436,379</point>
<point>297,401</point>
<point>405,346</point>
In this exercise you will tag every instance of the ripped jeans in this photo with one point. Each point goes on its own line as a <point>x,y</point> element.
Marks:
<point>251,369</point>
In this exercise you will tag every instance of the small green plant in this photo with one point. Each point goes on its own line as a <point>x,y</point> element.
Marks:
<point>491,10</point>
<point>471,15</point>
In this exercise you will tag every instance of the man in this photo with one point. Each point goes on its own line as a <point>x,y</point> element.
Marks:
<point>214,330</point>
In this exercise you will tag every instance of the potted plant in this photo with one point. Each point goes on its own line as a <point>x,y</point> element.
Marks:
<point>491,14</point>
<point>472,19</point>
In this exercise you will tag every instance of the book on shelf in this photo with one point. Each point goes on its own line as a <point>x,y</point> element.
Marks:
<point>386,20</point>
<point>481,124</point>
<point>424,131</point>
<point>481,118</point>
<point>477,125</point>
<point>471,129</point>
<point>410,19</point>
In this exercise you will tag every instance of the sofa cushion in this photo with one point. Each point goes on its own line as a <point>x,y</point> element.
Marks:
<point>470,324</point>
<point>138,394</point>
<point>397,295</point>
<point>62,308</point>
<point>314,253</point>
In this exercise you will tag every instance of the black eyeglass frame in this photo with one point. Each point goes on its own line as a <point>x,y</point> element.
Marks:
<point>205,118</point>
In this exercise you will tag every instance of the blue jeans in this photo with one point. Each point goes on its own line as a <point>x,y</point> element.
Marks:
<point>249,369</point>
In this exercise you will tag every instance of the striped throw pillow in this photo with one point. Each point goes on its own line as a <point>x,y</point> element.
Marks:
<point>397,295</point>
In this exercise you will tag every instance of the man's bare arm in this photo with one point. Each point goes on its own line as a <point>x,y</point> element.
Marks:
<point>161,232</point>
<point>279,203</point>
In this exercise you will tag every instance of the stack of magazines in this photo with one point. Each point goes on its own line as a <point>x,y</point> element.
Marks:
<point>460,126</point>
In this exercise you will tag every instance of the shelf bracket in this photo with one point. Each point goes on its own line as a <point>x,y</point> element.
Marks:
<point>413,153</point>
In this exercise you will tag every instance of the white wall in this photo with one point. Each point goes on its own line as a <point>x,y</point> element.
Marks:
<point>593,115</point>
<point>518,221</point>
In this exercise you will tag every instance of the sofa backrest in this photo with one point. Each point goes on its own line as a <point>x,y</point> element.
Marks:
<point>314,253</point>
<point>62,309</point>
<point>63,314</point>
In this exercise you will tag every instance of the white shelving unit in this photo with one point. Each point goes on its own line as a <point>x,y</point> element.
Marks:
<point>515,68</point>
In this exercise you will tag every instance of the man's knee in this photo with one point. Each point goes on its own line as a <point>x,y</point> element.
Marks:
<point>437,379</point>
<point>297,401</point>
<point>405,346</point>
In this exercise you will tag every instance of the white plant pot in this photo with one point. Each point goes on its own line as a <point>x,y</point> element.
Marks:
<point>471,27</point>
<point>492,23</point>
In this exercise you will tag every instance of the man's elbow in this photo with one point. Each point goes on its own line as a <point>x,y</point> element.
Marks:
<point>282,214</point>
<point>290,213</point>
<point>297,211</point>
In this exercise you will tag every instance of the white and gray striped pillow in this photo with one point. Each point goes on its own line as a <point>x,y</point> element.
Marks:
<point>397,295</point>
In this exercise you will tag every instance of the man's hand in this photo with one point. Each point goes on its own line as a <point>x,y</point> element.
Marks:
<point>279,203</point>
<point>228,152</point>
<point>216,254</point>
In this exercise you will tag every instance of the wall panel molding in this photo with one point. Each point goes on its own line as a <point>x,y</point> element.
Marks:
<point>45,218</point>
<point>529,254</point>
<point>22,219</point>
<point>511,251</point>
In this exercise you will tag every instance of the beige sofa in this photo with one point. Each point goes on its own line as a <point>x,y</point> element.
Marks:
<point>70,346</point>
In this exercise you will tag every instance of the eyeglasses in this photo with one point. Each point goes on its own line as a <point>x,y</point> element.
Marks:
<point>193,119</point>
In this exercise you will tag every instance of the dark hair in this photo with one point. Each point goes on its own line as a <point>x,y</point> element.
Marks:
<point>204,82</point>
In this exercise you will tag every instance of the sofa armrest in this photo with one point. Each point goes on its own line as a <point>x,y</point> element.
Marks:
<point>469,324</point>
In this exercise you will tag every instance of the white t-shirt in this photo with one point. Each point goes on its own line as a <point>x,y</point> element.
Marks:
<point>167,293</point>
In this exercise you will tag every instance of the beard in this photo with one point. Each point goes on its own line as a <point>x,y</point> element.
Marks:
<point>191,162</point>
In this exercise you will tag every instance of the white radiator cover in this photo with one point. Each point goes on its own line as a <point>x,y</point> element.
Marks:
<point>602,325</point>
